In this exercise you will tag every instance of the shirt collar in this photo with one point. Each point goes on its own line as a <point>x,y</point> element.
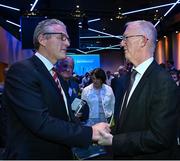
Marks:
<point>45,61</point>
<point>141,68</point>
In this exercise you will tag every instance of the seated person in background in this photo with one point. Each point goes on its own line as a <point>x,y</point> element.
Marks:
<point>99,97</point>
<point>66,67</point>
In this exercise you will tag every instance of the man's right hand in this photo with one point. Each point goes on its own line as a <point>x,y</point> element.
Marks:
<point>98,129</point>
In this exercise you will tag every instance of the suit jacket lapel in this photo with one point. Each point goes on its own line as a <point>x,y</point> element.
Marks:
<point>121,86</point>
<point>43,70</point>
<point>65,88</point>
<point>137,90</point>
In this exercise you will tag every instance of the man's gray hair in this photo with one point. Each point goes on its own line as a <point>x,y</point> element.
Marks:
<point>149,30</point>
<point>43,27</point>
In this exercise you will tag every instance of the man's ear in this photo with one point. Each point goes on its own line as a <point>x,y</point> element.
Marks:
<point>42,40</point>
<point>143,41</point>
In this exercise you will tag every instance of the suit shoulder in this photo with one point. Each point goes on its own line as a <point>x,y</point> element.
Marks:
<point>21,67</point>
<point>161,76</point>
<point>22,63</point>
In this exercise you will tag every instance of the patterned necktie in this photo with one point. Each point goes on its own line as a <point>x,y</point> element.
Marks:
<point>132,78</point>
<point>55,77</point>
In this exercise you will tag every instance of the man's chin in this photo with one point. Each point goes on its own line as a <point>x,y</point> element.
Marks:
<point>62,56</point>
<point>126,56</point>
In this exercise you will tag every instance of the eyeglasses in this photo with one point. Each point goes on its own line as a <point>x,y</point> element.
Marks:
<point>61,36</point>
<point>124,38</point>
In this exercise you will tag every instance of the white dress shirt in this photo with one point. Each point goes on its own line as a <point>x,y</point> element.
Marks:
<point>141,68</point>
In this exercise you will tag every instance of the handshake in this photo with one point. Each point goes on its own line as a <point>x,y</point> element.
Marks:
<point>101,134</point>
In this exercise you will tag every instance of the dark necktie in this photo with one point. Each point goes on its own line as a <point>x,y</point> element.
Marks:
<point>123,110</point>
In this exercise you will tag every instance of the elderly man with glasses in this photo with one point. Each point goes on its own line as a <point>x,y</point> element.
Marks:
<point>146,117</point>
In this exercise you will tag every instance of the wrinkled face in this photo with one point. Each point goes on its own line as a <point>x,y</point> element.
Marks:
<point>132,42</point>
<point>55,42</point>
<point>97,83</point>
<point>66,68</point>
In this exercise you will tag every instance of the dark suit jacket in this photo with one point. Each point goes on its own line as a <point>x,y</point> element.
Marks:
<point>119,86</point>
<point>76,94</point>
<point>38,124</point>
<point>148,130</point>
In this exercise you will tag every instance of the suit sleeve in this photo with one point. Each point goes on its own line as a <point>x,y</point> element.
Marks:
<point>24,96</point>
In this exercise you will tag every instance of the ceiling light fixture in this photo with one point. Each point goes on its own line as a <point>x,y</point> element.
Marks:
<point>103,48</point>
<point>15,24</point>
<point>113,48</point>
<point>171,8</point>
<point>77,12</point>
<point>33,6</point>
<point>99,49</point>
<point>93,20</point>
<point>9,7</point>
<point>119,14</point>
<point>167,12</point>
<point>149,8</point>
<point>81,51</point>
<point>89,21</point>
<point>104,33</point>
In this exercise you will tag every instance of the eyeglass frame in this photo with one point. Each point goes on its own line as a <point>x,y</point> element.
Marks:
<point>124,38</point>
<point>62,38</point>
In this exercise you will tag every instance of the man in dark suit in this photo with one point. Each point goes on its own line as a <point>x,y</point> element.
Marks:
<point>41,124</point>
<point>146,126</point>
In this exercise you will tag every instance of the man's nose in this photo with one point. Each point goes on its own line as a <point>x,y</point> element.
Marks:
<point>122,43</point>
<point>67,42</point>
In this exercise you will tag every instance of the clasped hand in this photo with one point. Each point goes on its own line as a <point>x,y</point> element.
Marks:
<point>101,134</point>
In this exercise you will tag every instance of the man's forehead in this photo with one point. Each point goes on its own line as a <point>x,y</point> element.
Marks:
<point>59,28</point>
